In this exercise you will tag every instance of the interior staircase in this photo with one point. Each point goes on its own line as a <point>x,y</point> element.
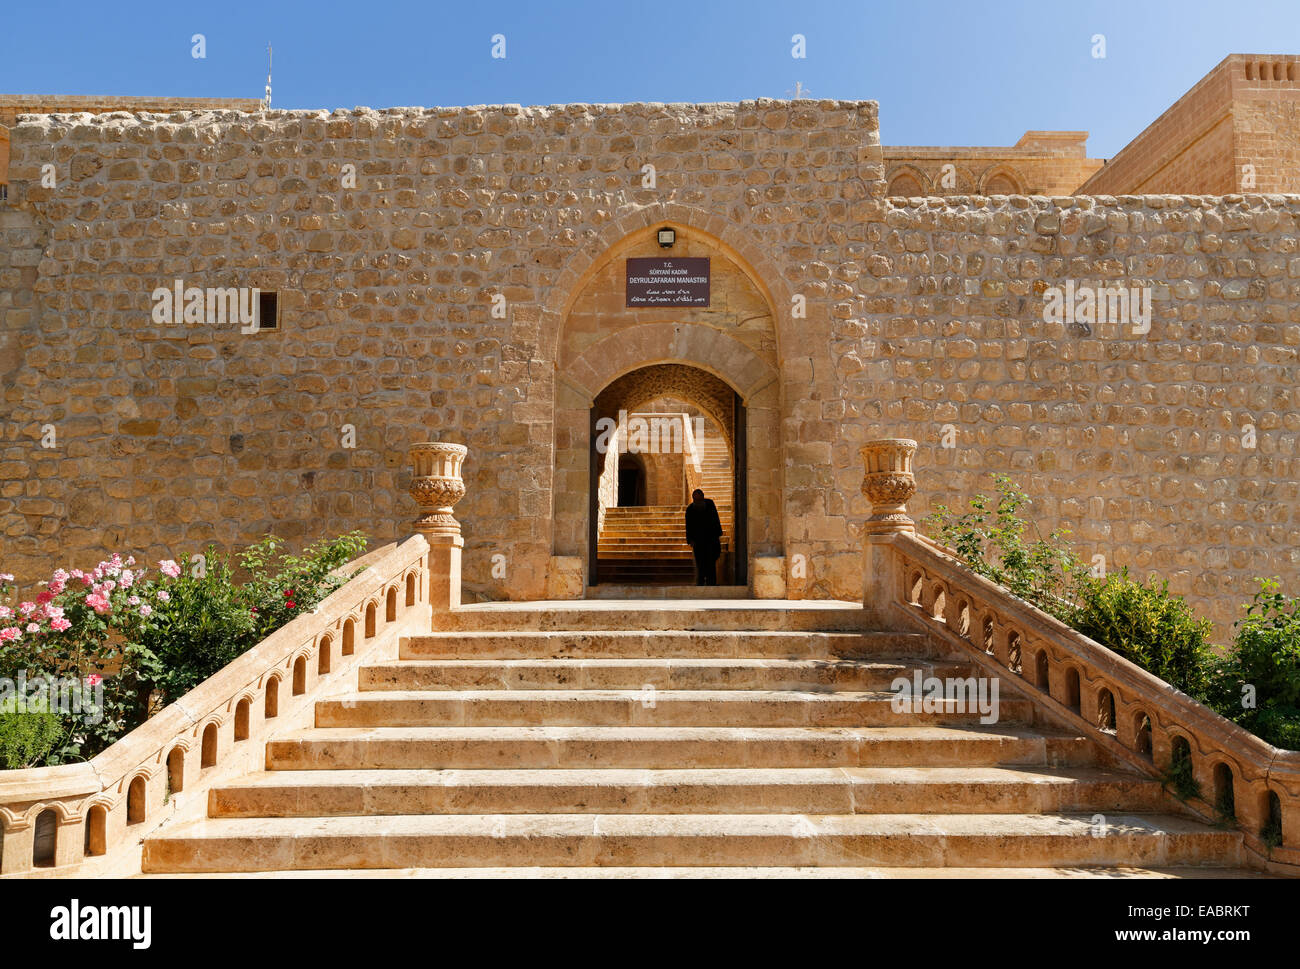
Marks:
<point>662,738</point>
<point>646,544</point>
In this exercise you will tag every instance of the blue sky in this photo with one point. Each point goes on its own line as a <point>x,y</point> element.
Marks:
<point>945,73</point>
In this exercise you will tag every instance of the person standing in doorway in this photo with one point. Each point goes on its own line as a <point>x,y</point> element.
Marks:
<point>704,536</point>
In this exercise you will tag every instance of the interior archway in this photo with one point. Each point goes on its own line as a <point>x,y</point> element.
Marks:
<point>659,434</point>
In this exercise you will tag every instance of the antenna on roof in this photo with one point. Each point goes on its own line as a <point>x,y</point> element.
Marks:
<point>266,101</point>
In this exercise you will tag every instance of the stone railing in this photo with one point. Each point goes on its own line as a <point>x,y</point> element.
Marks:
<point>90,818</point>
<point>1137,718</point>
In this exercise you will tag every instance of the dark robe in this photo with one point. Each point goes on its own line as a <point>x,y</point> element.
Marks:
<point>704,536</point>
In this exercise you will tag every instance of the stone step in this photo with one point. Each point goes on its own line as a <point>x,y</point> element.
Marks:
<point>665,708</point>
<point>1109,872</point>
<point>683,644</point>
<point>466,748</point>
<point>610,590</point>
<point>402,841</point>
<point>731,615</point>
<point>831,790</point>
<point>662,674</point>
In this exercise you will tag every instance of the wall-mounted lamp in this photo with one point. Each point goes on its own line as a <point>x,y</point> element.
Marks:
<point>666,238</point>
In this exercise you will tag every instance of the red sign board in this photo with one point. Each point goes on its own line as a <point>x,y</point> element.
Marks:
<point>662,281</point>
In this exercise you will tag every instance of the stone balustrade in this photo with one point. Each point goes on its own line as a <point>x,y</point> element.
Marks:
<point>914,583</point>
<point>90,818</point>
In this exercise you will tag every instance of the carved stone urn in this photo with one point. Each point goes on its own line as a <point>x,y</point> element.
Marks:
<point>888,484</point>
<point>436,486</point>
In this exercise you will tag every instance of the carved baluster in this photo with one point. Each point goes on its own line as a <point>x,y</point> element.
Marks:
<point>436,486</point>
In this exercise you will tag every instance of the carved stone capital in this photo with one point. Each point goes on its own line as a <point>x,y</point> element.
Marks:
<point>888,483</point>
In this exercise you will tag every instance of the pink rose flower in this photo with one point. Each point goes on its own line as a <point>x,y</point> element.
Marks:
<point>169,568</point>
<point>27,607</point>
<point>5,612</point>
<point>164,596</point>
<point>127,577</point>
<point>59,624</point>
<point>94,679</point>
<point>60,575</point>
<point>44,596</point>
<point>33,627</point>
<point>133,600</point>
<point>145,610</point>
<point>99,602</point>
<point>10,633</point>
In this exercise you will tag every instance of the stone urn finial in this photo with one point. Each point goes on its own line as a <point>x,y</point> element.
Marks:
<point>888,484</point>
<point>436,486</point>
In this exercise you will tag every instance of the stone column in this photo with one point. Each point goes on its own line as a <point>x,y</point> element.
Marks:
<point>436,487</point>
<point>888,484</point>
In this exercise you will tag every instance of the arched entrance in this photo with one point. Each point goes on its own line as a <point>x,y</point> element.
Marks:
<point>659,433</point>
<point>606,348</point>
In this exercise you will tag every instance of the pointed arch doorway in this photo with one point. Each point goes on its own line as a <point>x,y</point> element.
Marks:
<point>657,434</point>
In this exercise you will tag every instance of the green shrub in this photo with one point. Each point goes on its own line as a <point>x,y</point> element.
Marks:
<point>282,587</point>
<point>1258,684</point>
<point>1143,622</point>
<point>1148,625</point>
<point>994,543</point>
<point>203,625</point>
<point>27,738</point>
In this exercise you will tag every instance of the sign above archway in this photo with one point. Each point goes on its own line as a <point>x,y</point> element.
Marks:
<point>660,281</point>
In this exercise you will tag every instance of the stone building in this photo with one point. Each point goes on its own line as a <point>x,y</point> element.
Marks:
<point>462,274</point>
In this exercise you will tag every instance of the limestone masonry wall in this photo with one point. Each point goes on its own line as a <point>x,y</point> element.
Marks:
<point>881,318</point>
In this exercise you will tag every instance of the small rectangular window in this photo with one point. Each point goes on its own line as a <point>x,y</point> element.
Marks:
<point>4,193</point>
<point>268,311</point>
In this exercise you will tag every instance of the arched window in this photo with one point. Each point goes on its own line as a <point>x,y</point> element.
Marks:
<point>272,698</point>
<point>135,801</point>
<point>176,770</point>
<point>300,676</point>
<point>97,830</point>
<point>1225,795</point>
<point>410,589</point>
<point>370,620</point>
<point>1106,710</point>
<point>241,719</point>
<point>1072,699</point>
<point>45,838</point>
<point>390,605</point>
<point>323,659</point>
<point>208,757</point>
<point>905,185</point>
<point>349,637</point>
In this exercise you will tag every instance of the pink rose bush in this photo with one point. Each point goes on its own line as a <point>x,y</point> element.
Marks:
<point>143,637</point>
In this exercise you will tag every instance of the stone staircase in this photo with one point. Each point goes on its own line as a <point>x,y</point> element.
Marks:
<point>646,544</point>
<point>644,738</point>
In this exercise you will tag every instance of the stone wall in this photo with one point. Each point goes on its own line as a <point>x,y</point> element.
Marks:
<point>841,317</point>
<point>171,436</point>
<point>1246,111</point>
<point>1136,443</point>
